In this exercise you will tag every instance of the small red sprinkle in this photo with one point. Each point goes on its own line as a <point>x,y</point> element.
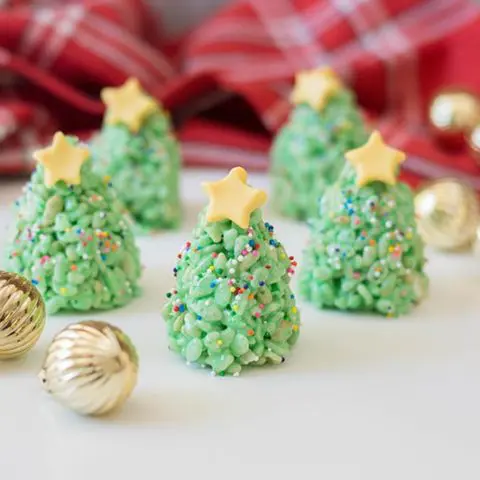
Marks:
<point>175,309</point>
<point>291,258</point>
<point>188,244</point>
<point>214,255</point>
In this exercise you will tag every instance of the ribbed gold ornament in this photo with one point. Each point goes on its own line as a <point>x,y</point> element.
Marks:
<point>448,214</point>
<point>22,315</point>
<point>453,113</point>
<point>90,367</point>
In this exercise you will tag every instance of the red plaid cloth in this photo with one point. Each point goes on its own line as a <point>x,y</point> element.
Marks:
<point>227,83</point>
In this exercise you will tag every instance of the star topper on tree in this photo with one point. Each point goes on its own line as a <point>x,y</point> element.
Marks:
<point>128,104</point>
<point>62,161</point>
<point>375,161</point>
<point>315,87</point>
<point>231,198</point>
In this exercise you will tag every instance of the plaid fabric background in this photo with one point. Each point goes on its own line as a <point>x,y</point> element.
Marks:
<point>227,82</point>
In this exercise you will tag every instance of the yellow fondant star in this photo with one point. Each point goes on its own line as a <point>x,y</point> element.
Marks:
<point>375,161</point>
<point>315,87</point>
<point>128,104</point>
<point>231,198</point>
<point>62,161</point>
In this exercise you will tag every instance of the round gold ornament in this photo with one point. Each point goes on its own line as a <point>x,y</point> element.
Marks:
<point>453,113</point>
<point>473,140</point>
<point>90,367</point>
<point>22,315</point>
<point>447,213</point>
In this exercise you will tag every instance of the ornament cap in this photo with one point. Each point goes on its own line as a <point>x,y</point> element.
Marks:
<point>315,87</point>
<point>128,105</point>
<point>62,161</point>
<point>375,161</point>
<point>231,198</point>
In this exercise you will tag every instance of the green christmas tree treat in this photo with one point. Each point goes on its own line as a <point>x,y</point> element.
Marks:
<point>138,151</point>
<point>365,252</point>
<point>308,152</point>
<point>70,238</point>
<point>232,304</point>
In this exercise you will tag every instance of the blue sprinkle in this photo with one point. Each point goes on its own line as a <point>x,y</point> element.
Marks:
<point>261,283</point>
<point>212,285</point>
<point>103,257</point>
<point>245,286</point>
<point>79,231</point>
<point>251,243</point>
<point>271,242</point>
<point>35,282</point>
<point>181,308</point>
<point>199,317</point>
<point>292,296</point>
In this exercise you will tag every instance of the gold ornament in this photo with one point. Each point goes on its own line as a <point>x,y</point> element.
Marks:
<point>62,161</point>
<point>90,367</point>
<point>473,140</point>
<point>231,198</point>
<point>315,87</point>
<point>375,161</point>
<point>453,113</point>
<point>22,315</point>
<point>447,213</point>
<point>128,104</point>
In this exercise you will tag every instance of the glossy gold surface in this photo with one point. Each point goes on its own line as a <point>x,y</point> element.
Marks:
<point>447,213</point>
<point>90,367</point>
<point>22,315</point>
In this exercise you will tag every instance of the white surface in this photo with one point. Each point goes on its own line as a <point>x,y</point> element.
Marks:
<point>360,398</point>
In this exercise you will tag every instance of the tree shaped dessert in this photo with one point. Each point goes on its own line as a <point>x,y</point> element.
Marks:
<point>308,152</point>
<point>138,151</point>
<point>365,252</point>
<point>232,304</point>
<point>70,238</point>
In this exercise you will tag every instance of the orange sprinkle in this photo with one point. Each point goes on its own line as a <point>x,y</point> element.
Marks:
<point>250,332</point>
<point>74,268</point>
<point>372,242</point>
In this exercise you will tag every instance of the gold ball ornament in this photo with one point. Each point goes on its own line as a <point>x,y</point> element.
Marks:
<point>90,367</point>
<point>473,140</point>
<point>447,214</point>
<point>22,315</point>
<point>453,113</point>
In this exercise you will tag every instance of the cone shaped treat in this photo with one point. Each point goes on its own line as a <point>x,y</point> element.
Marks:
<point>232,304</point>
<point>70,237</point>
<point>308,152</point>
<point>365,252</point>
<point>137,149</point>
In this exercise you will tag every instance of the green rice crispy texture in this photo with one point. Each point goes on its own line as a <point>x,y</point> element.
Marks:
<point>74,244</point>
<point>364,252</point>
<point>232,305</point>
<point>308,153</point>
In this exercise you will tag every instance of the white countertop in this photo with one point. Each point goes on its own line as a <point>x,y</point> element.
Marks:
<point>359,398</point>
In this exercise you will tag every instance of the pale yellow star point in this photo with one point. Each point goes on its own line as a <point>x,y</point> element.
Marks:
<point>128,105</point>
<point>62,161</point>
<point>231,198</point>
<point>375,161</point>
<point>315,87</point>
